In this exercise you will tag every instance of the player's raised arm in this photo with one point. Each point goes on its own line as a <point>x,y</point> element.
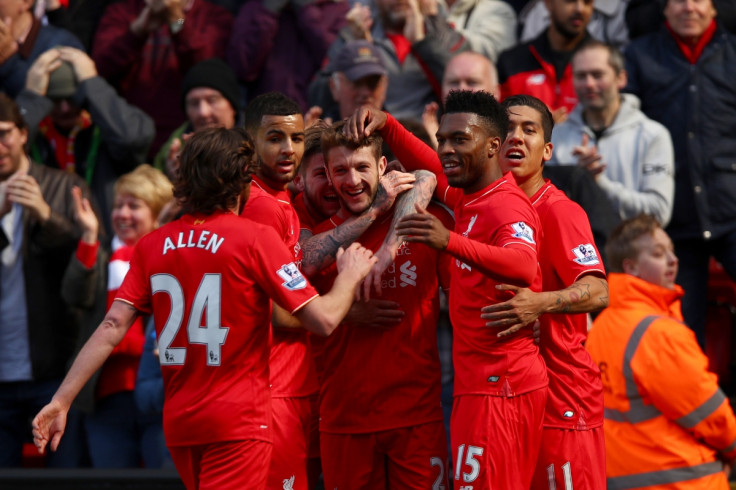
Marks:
<point>49,424</point>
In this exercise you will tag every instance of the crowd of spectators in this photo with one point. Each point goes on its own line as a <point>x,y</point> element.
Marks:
<point>643,95</point>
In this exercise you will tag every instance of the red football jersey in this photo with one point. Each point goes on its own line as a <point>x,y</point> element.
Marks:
<point>306,222</point>
<point>208,284</point>
<point>568,252</point>
<point>499,215</point>
<point>292,367</point>
<point>378,379</point>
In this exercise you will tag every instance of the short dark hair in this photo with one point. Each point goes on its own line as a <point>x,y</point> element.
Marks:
<point>620,244</point>
<point>215,166</point>
<point>268,104</point>
<point>312,142</point>
<point>494,117</point>
<point>548,122</point>
<point>10,112</point>
<point>334,138</point>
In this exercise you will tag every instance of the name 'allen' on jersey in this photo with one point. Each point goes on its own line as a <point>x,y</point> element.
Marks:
<point>202,241</point>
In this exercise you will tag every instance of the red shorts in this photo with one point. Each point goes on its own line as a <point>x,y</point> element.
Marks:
<point>231,464</point>
<point>292,418</point>
<point>313,451</point>
<point>407,458</point>
<point>495,440</point>
<point>571,459</point>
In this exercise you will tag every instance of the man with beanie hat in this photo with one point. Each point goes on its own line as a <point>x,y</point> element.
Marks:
<point>79,124</point>
<point>210,97</point>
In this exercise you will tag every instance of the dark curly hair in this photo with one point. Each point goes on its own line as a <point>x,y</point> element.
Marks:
<point>494,119</point>
<point>215,166</point>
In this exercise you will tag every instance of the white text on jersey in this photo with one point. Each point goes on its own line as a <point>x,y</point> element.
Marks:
<point>213,244</point>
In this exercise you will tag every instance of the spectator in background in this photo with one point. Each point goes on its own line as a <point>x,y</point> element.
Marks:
<point>144,48</point>
<point>645,16</point>
<point>629,155</point>
<point>358,77</point>
<point>119,435</point>
<point>278,45</point>
<point>80,17</point>
<point>37,329</point>
<point>415,41</point>
<point>667,424</point>
<point>210,98</point>
<point>22,39</point>
<point>78,123</point>
<point>607,24</point>
<point>489,26</point>
<point>465,71</point>
<point>684,76</point>
<point>541,67</point>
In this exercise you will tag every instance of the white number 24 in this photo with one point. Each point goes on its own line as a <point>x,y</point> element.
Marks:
<point>211,334</point>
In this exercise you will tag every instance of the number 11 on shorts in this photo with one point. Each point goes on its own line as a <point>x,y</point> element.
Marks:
<point>566,473</point>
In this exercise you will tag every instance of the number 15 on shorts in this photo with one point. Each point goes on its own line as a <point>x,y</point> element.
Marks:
<point>467,464</point>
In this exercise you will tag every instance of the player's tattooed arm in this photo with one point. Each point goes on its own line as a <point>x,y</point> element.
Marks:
<point>406,204</point>
<point>587,294</point>
<point>319,251</point>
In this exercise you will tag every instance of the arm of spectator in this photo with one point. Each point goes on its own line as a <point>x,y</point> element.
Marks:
<point>204,34</point>
<point>118,43</point>
<point>656,191</point>
<point>670,355</point>
<point>126,130</point>
<point>359,21</point>
<point>252,39</point>
<point>320,250</point>
<point>80,283</point>
<point>490,29</point>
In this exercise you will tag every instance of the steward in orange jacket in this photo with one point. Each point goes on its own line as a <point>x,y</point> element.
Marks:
<point>667,424</point>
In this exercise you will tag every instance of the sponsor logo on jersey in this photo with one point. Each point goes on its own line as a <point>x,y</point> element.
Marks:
<point>568,414</point>
<point>523,231</point>
<point>408,274</point>
<point>289,483</point>
<point>585,254</point>
<point>293,279</point>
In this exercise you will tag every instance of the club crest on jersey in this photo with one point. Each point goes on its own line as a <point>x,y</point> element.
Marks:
<point>292,277</point>
<point>585,254</point>
<point>289,483</point>
<point>523,231</point>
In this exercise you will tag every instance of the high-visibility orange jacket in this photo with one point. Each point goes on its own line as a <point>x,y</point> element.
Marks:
<point>667,424</point>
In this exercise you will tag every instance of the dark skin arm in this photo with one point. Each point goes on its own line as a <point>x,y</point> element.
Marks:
<point>587,294</point>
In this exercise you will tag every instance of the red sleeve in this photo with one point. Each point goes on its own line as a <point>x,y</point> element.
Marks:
<point>204,35</point>
<point>514,263</point>
<point>252,40</point>
<point>116,49</point>
<point>414,154</point>
<point>445,259</point>
<point>136,288</point>
<point>87,254</point>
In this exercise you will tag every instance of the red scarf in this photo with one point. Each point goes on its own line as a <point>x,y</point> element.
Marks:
<point>692,53</point>
<point>63,146</point>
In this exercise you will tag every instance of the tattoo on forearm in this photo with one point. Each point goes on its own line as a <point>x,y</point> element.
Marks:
<point>320,250</point>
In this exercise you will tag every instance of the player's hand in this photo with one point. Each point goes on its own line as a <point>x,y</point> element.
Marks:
<point>25,191</point>
<point>355,259</point>
<point>588,157</point>
<point>384,258</point>
<point>390,186</point>
<point>37,78</point>
<point>85,216</point>
<point>423,227</point>
<point>375,313</point>
<point>364,122</point>
<point>48,426</point>
<point>513,314</point>
<point>84,67</point>
<point>359,22</point>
